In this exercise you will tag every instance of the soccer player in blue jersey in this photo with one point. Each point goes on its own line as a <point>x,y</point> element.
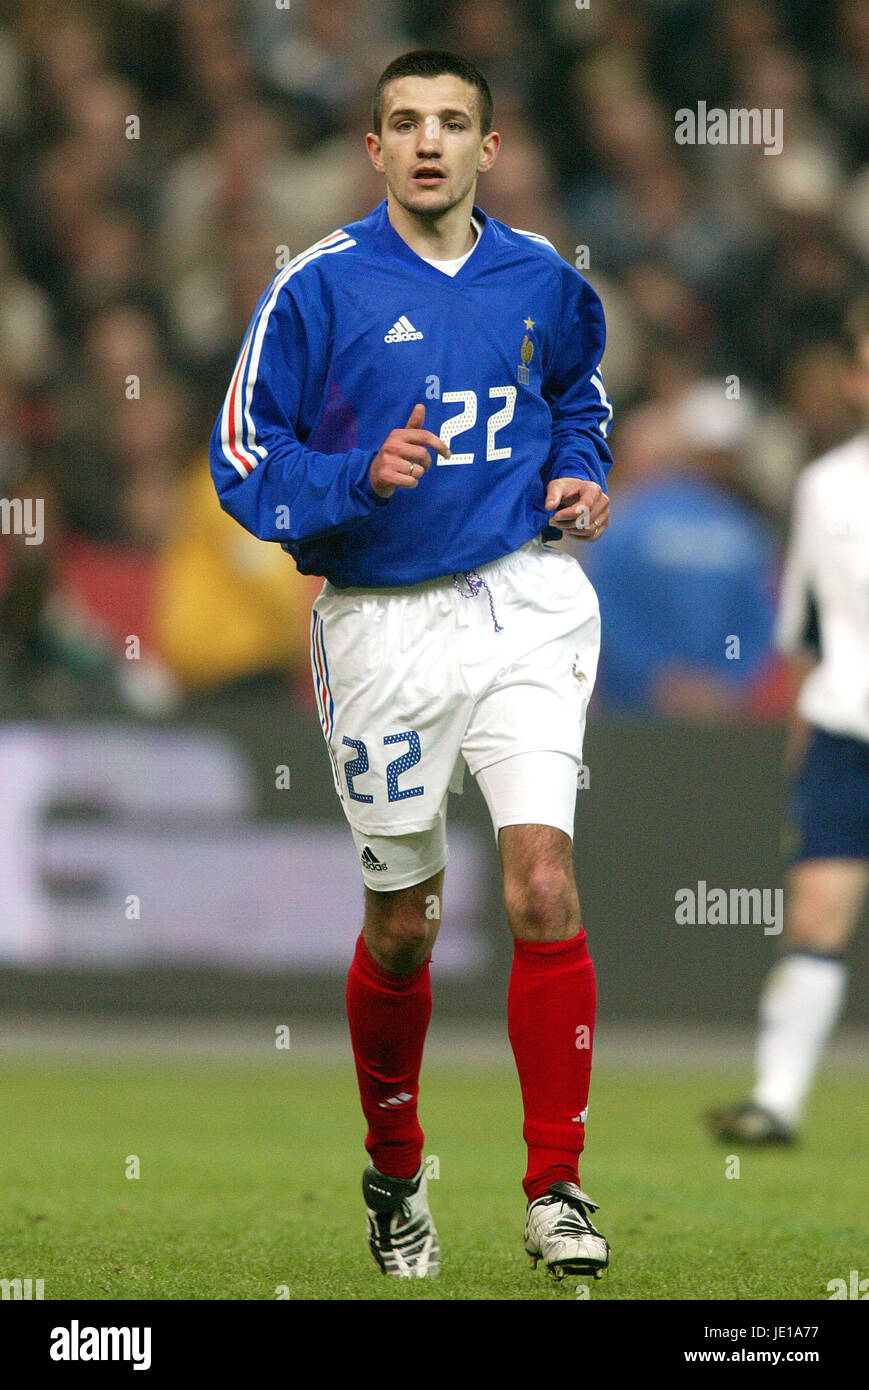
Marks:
<point>416,413</point>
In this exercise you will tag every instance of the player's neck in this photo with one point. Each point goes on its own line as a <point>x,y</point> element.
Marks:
<point>442,239</point>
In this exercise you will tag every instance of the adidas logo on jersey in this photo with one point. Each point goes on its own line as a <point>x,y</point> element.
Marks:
<point>402,331</point>
<point>370,861</point>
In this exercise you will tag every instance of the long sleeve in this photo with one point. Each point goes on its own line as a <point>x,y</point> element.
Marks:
<point>581,411</point>
<point>265,476</point>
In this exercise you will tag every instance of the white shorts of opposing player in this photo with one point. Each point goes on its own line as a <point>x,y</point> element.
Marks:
<point>491,670</point>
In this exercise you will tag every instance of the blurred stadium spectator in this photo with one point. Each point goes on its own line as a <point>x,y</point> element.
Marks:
<point>685,586</point>
<point>228,609</point>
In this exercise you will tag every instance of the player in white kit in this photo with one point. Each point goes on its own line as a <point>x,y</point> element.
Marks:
<point>824,628</point>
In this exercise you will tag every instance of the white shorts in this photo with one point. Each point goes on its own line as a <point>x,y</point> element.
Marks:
<point>415,683</point>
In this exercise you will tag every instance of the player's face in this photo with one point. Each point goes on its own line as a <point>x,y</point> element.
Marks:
<point>430,146</point>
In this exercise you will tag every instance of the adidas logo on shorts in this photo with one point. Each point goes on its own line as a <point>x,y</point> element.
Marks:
<point>370,861</point>
<point>402,331</point>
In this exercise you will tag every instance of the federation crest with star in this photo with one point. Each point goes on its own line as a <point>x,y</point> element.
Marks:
<point>526,352</point>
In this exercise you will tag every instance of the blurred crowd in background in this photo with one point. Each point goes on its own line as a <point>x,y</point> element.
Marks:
<point>157,156</point>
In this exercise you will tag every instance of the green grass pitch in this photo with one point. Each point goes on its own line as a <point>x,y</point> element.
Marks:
<point>250,1180</point>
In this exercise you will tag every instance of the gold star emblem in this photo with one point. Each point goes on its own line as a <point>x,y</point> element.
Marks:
<point>529,324</point>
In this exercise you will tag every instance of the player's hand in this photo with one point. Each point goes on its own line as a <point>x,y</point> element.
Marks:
<point>582,508</point>
<point>404,456</point>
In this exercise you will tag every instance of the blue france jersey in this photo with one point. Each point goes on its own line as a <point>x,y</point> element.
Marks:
<point>348,338</point>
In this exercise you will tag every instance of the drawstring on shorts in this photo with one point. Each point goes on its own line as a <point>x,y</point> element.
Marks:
<point>475,583</point>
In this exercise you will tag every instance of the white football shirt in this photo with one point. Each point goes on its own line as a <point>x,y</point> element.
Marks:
<point>826,575</point>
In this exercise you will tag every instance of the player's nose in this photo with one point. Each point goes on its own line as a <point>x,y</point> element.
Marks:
<point>429,141</point>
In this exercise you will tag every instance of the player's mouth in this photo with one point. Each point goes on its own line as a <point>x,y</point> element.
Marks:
<point>428,176</point>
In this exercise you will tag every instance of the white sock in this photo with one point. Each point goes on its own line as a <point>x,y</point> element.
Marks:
<point>799,1007</point>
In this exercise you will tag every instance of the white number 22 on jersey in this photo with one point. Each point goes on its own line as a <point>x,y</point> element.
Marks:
<point>467,418</point>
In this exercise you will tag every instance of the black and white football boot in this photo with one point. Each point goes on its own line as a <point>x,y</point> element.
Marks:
<point>401,1233</point>
<point>749,1124</point>
<point>559,1232</point>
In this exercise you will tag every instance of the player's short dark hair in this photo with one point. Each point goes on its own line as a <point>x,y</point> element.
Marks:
<point>857,326</point>
<point>434,62</point>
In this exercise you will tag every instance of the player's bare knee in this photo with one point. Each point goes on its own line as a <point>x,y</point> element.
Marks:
<point>816,931</point>
<point>542,904</point>
<point>817,919</point>
<point>400,945</point>
<point>398,930</point>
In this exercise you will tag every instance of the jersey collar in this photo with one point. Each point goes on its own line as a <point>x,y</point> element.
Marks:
<point>389,239</point>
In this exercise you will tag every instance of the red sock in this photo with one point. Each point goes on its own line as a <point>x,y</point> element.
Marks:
<point>388,1017</point>
<point>550,1019</point>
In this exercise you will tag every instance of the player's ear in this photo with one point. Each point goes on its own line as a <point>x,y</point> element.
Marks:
<point>488,151</point>
<point>374,148</point>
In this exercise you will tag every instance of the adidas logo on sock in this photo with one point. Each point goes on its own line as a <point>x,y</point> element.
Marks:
<point>370,861</point>
<point>402,331</point>
<point>401,1099</point>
